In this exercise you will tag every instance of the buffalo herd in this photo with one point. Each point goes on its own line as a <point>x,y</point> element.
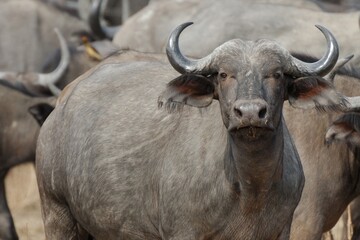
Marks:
<point>181,119</point>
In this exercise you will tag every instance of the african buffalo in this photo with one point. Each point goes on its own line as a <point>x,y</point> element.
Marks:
<point>346,130</point>
<point>134,172</point>
<point>323,199</point>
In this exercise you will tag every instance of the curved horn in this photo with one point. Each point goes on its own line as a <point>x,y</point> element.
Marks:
<point>95,24</point>
<point>54,90</point>
<point>331,75</point>
<point>325,64</point>
<point>34,84</point>
<point>181,63</point>
<point>51,78</point>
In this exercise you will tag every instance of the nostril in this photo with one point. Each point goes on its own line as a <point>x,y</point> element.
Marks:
<point>250,109</point>
<point>238,112</point>
<point>262,112</point>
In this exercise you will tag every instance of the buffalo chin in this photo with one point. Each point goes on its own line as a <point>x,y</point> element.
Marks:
<point>251,133</point>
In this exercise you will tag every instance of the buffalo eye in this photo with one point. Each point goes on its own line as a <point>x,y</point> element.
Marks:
<point>223,75</point>
<point>277,75</point>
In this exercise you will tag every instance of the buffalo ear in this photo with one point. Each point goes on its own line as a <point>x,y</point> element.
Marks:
<point>314,92</point>
<point>40,112</point>
<point>345,129</point>
<point>187,89</point>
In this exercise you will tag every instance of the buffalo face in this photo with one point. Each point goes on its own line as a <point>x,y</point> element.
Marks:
<point>251,90</point>
<point>251,80</point>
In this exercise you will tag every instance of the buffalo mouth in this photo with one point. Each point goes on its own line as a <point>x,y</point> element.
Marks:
<point>251,132</point>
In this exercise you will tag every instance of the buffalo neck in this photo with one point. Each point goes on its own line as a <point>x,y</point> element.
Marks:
<point>253,167</point>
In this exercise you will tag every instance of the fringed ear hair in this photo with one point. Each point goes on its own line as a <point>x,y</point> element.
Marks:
<point>315,92</point>
<point>345,129</point>
<point>40,112</point>
<point>187,89</point>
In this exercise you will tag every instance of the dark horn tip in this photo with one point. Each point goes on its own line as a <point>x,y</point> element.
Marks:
<point>184,25</point>
<point>325,31</point>
<point>321,27</point>
<point>327,62</point>
<point>180,28</point>
<point>177,31</point>
<point>349,57</point>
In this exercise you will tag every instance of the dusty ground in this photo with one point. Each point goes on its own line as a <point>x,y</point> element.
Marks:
<point>24,202</point>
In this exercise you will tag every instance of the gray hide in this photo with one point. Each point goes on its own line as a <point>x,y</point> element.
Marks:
<point>135,172</point>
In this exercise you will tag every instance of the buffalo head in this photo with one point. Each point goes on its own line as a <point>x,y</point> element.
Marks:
<point>251,80</point>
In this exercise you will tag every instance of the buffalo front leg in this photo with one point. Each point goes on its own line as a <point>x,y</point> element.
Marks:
<point>7,228</point>
<point>58,222</point>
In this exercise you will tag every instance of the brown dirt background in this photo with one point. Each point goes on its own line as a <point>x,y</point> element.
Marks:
<point>24,202</point>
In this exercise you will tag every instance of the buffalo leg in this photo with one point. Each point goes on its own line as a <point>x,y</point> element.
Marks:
<point>58,222</point>
<point>7,228</point>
